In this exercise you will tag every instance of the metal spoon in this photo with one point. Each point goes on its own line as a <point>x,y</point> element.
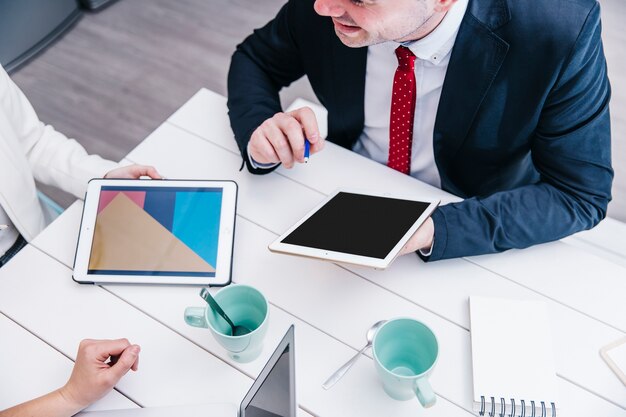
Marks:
<point>234,330</point>
<point>339,373</point>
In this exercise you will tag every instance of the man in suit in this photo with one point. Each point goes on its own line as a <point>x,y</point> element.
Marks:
<point>501,102</point>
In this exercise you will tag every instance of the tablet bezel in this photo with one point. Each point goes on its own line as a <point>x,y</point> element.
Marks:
<point>333,256</point>
<point>605,352</point>
<point>225,246</point>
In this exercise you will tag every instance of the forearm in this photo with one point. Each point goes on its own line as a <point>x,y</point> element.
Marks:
<point>64,163</point>
<point>55,404</point>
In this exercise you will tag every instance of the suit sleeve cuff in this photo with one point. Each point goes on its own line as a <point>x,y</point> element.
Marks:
<point>440,239</point>
<point>258,165</point>
<point>427,253</point>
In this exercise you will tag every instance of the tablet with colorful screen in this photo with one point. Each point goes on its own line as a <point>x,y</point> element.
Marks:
<point>157,232</point>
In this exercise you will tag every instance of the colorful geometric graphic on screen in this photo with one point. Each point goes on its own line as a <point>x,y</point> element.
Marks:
<point>137,197</point>
<point>156,232</point>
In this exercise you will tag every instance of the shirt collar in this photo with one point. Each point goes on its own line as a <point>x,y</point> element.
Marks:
<point>438,43</point>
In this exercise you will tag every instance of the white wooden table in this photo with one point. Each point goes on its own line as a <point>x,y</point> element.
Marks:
<point>44,314</point>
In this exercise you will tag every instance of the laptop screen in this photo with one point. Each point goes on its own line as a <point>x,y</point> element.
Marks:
<point>273,393</point>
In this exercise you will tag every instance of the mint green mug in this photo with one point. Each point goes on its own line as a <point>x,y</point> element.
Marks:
<point>245,306</point>
<point>405,351</point>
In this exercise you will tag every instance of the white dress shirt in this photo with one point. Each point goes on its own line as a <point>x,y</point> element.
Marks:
<point>433,54</point>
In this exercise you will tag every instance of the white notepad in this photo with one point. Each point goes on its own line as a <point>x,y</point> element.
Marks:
<point>512,358</point>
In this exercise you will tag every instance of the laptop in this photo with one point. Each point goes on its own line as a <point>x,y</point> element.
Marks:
<point>273,394</point>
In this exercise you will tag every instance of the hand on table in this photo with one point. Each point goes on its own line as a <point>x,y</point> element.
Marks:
<point>134,172</point>
<point>281,138</point>
<point>421,239</point>
<point>93,377</point>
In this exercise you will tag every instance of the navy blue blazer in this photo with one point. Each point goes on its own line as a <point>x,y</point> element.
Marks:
<point>522,130</point>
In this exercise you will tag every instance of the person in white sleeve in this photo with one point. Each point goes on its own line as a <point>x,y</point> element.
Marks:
<point>31,150</point>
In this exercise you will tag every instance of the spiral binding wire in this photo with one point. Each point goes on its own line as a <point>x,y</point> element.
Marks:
<point>492,412</point>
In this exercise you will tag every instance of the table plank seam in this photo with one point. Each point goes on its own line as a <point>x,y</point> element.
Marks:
<point>51,256</point>
<point>184,129</point>
<point>591,392</point>
<point>239,154</point>
<point>173,330</point>
<point>603,248</point>
<point>62,353</point>
<point>402,296</point>
<point>623,331</point>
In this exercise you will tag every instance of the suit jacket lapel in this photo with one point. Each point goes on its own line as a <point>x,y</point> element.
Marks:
<point>476,58</point>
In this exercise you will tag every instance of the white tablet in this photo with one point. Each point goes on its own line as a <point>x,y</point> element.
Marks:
<point>157,232</point>
<point>351,227</point>
<point>614,354</point>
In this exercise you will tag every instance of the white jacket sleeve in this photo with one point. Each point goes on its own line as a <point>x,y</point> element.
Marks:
<point>54,159</point>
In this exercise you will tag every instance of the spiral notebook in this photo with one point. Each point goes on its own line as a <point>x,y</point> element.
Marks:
<point>512,358</point>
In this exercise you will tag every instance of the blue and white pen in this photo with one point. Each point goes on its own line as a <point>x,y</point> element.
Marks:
<point>3,226</point>
<point>307,150</point>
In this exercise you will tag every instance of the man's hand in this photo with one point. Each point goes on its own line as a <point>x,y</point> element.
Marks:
<point>93,377</point>
<point>422,239</point>
<point>281,138</point>
<point>134,172</point>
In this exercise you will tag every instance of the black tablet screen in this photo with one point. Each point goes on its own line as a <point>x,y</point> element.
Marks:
<point>358,224</point>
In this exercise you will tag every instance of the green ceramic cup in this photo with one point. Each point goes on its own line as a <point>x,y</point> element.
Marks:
<point>245,306</point>
<point>405,352</point>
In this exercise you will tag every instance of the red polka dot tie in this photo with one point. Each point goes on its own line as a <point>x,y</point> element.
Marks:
<point>402,111</point>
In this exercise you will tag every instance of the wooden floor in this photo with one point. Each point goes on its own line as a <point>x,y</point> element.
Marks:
<point>120,72</point>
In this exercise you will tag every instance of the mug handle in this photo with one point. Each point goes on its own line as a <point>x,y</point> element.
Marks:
<point>425,393</point>
<point>195,316</point>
